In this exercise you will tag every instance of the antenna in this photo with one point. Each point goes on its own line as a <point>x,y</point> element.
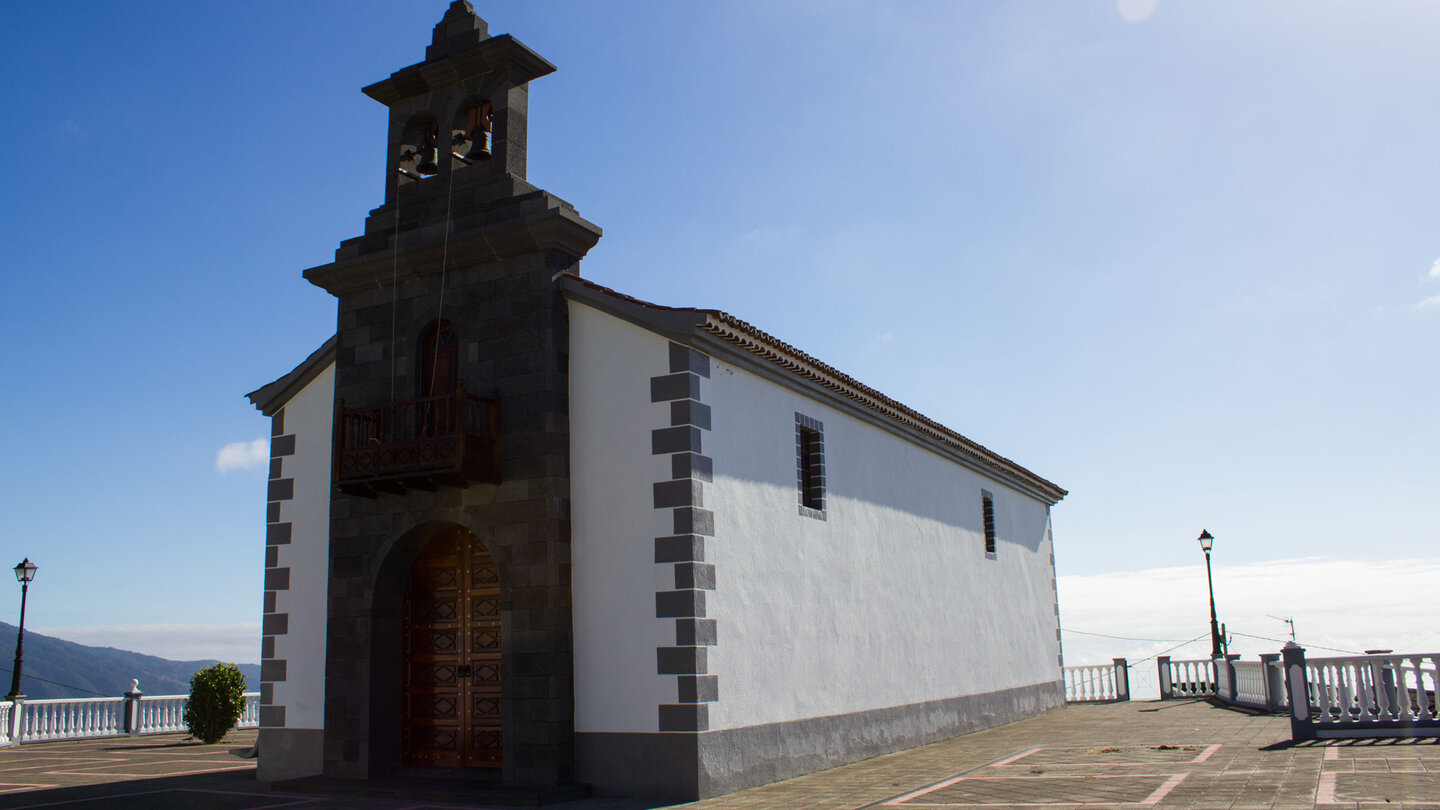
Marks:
<point>1290,621</point>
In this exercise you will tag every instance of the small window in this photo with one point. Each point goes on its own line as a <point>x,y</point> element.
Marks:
<point>439,361</point>
<point>810,465</point>
<point>987,513</point>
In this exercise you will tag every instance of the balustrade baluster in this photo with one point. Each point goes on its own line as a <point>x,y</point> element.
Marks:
<point>1367,691</point>
<point>1319,690</point>
<point>1334,692</point>
<point>1421,695</point>
<point>1385,708</point>
<point>1350,693</point>
<point>1404,702</point>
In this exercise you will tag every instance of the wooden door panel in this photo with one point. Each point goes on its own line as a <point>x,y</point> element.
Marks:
<point>453,706</point>
<point>485,748</point>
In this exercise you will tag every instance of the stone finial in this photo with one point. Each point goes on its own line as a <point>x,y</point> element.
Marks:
<point>459,30</point>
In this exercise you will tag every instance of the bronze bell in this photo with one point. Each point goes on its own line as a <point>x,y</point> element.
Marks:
<point>479,145</point>
<point>429,160</point>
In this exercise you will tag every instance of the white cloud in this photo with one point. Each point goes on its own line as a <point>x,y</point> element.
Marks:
<point>1135,10</point>
<point>770,236</point>
<point>242,455</point>
<point>1429,303</point>
<point>237,641</point>
<point>1347,605</point>
<point>1435,269</point>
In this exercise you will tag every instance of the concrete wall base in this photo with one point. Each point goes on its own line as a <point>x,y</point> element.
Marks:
<point>289,753</point>
<point>688,766</point>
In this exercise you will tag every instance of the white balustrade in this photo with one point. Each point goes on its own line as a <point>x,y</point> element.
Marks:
<point>70,719</point>
<point>27,721</point>
<point>1275,671</point>
<point>1222,678</point>
<point>1371,689</point>
<point>160,714</point>
<point>1090,683</point>
<point>250,716</point>
<point>1250,680</point>
<point>1192,678</point>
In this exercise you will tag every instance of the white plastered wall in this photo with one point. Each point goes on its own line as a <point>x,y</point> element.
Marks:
<point>614,524</point>
<point>887,602</point>
<point>309,415</point>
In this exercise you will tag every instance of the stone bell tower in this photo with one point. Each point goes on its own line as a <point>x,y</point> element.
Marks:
<point>449,626</point>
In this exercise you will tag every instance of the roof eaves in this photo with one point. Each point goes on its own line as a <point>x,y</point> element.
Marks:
<point>761,343</point>
<point>766,346</point>
<point>272,396</point>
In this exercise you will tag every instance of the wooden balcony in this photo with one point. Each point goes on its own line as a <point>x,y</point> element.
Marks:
<point>445,441</point>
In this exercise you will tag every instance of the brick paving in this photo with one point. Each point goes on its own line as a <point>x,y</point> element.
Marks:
<point>1179,754</point>
<point>109,761</point>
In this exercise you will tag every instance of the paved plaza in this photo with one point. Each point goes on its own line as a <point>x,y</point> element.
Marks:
<point>1176,754</point>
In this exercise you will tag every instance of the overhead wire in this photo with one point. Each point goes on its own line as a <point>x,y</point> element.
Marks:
<point>1307,646</point>
<point>395,277</point>
<point>444,261</point>
<point>1121,638</point>
<point>1172,649</point>
<point>57,683</point>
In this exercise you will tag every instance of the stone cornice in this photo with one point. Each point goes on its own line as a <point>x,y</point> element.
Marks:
<point>553,227</point>
<point>502,52</point>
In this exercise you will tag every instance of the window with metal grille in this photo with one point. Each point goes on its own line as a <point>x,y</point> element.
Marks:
<point>987,510</point>
<point>810,464</point>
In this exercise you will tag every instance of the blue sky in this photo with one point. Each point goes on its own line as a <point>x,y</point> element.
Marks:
<point>1180,258</point>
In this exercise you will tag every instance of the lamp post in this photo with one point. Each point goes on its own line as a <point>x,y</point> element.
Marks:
<point>1206,542</point>
<point>24,572</point>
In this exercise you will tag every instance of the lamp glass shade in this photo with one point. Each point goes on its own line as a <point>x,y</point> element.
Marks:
<point>25,571</point>
<point>1206,540</point>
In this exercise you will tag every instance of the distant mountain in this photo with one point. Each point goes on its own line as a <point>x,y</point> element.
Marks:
<point>55,668</point>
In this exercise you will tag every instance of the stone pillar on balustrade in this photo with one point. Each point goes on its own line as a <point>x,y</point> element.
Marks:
<point>1122,679</point>
<point>132,708</point>
<point>1166,689</point>
<point>17,708</point>
<point>1302,724</point>
<point>1232,692</point>
<point>1274,682</point>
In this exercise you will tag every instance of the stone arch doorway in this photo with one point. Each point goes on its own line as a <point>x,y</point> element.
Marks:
<point>452,707</point>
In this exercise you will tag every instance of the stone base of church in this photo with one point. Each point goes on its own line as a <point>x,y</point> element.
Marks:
<point>688,766</point>
<point>289,753</point>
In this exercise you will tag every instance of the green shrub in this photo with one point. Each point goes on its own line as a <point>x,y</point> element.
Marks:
<point>217,697</point>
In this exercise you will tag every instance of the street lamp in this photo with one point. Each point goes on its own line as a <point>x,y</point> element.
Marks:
<point>1206,542</point>
<point>24,572</point>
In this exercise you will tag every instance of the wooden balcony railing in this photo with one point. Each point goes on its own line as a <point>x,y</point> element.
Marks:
<point>427,443</point>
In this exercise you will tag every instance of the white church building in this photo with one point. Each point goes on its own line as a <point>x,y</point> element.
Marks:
<point>528,527</point>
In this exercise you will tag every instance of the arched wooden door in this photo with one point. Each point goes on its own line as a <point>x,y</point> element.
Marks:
<point>452,704</point>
